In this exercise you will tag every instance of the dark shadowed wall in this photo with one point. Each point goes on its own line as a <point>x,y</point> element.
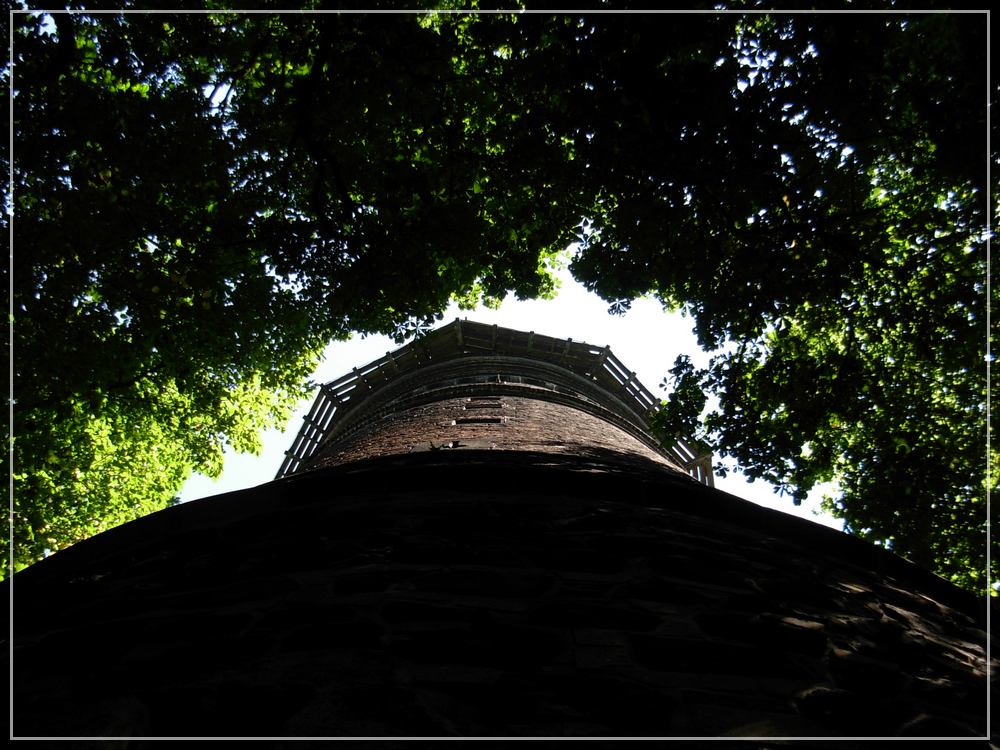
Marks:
<point>490,593</point>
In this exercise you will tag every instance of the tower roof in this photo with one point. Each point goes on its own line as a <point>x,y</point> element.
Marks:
<point>610,386</point>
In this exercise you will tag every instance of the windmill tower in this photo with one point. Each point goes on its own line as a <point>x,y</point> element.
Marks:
<point>478,535</point>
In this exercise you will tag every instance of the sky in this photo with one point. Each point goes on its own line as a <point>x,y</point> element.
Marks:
<point>646,340</point>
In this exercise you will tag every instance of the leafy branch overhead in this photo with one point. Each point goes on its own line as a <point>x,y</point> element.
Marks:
<point>205,200</point>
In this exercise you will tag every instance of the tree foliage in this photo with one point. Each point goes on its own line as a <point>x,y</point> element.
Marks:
<point>824,224</point>
<point>203,201</point>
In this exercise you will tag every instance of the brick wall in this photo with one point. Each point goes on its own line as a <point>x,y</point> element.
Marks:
<point>497,423</point>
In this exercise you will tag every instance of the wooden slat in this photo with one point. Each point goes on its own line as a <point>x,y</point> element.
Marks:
<point>569,343</point>
<point>599,362</point>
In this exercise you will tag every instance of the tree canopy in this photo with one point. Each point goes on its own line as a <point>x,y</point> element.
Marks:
<point>203,201</point>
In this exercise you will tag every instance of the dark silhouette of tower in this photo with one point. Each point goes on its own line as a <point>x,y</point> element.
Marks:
<point>478,535</point>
